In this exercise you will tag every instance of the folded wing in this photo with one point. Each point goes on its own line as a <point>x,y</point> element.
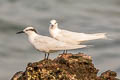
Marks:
<point>79,37</point>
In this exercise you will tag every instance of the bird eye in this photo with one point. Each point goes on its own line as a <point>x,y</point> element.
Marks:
<point>26,30</point>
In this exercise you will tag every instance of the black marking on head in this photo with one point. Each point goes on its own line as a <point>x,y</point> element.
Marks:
<point>32,30</point>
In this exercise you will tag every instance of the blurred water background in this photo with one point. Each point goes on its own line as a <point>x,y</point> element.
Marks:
<point>89,16</point>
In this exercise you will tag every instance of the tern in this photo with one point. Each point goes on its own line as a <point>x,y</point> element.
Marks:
<point>47,44</point>
<point>72,37</point>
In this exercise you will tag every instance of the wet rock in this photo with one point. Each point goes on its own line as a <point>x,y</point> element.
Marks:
<point>64,67</point>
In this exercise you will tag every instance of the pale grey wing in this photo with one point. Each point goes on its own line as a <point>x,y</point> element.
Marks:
<point>41,44</point>
<point>52,44</point>
<point>44,42</point>
<point>82,36</point>
<point>70,47</point>
<point>74,35</point>
<point>70,37</point>
<point>58,45</point>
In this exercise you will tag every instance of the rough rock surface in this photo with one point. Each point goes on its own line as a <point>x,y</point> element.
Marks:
<point>64,67</point>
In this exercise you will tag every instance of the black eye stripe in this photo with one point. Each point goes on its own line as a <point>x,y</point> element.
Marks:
<point>32,30</point>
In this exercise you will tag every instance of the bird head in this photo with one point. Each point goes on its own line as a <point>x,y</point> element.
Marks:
<point>53,24</point>
<point>27,30</point>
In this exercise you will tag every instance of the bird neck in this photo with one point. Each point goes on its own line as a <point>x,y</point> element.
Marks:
<point>54,32</point>
<point>31,34</point>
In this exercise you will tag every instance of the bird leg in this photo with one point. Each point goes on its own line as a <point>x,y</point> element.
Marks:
<point>48,56</point>
<point>65,51</point>
<point>45,56</point>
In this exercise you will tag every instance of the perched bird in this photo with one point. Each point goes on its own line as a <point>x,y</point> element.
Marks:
<point>47,44</point>
<point>72,37</point>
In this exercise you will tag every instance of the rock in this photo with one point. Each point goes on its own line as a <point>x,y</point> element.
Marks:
<point>109,75</point>
<point>64,67</point>
<point>17,75</point>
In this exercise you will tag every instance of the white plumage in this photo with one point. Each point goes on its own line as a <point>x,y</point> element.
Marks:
<point>72,37</point>
<point>47,44</point>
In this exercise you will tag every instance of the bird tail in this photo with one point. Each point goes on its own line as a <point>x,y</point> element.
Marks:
<point>100,36</point>
<point>87,37</point>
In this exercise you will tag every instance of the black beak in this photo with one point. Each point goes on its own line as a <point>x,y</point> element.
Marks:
<point>52,26</point>
<point>20,32</point>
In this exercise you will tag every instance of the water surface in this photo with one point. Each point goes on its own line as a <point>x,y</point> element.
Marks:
<point>89,16</point>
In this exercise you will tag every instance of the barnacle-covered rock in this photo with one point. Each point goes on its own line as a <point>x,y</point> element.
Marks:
<point>64,67</point>
<point>109,75</point>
